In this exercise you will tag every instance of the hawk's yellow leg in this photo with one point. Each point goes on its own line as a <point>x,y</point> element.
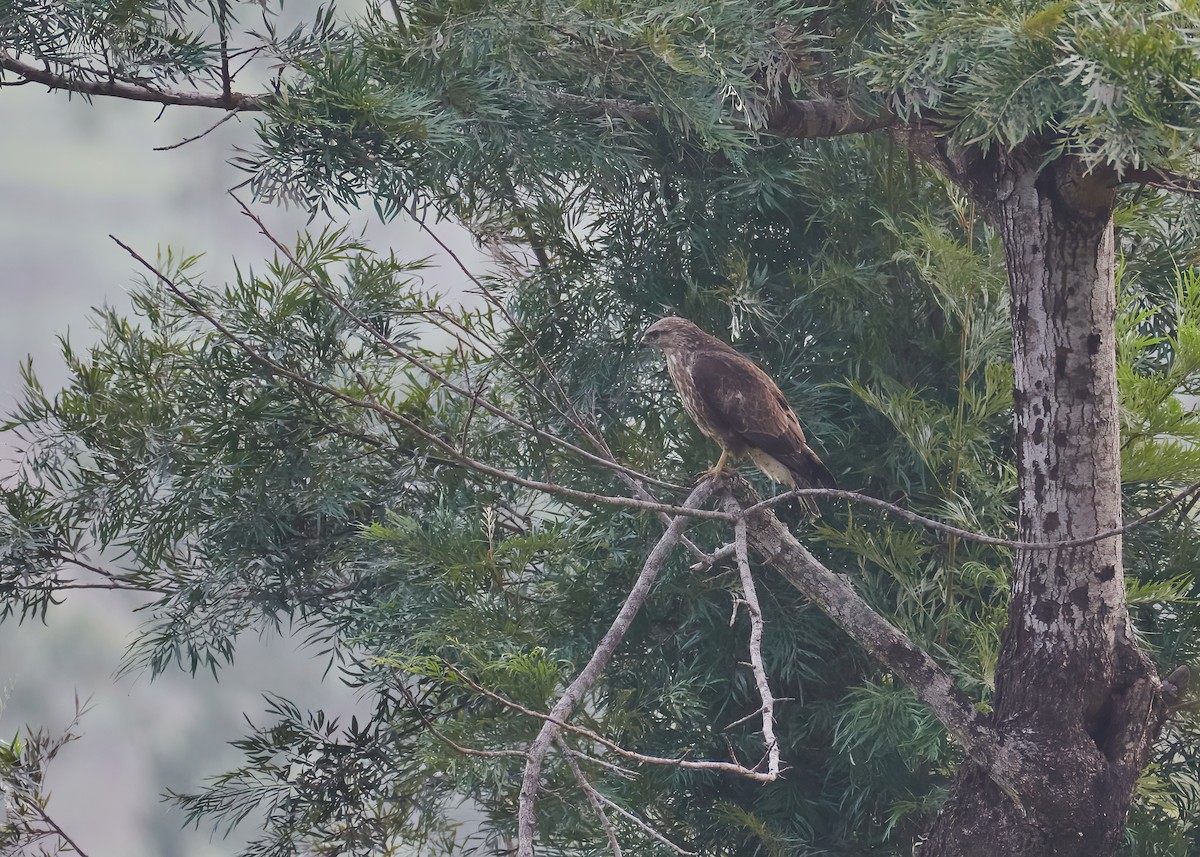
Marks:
<point>717,469</point>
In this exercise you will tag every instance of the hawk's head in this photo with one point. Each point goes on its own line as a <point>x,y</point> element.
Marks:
<point>672,332</point>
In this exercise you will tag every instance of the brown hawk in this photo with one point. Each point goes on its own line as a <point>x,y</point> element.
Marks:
<point>734,402</point>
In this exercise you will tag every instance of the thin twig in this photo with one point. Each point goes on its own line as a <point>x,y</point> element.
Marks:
<point>223,26</point>
<point>113,587</point>
<point>37,808</point>
<point>213,127</point>
<point>624,773</point>
<point>593,796</point>
<point>646,828</point>
<point>968,535</point>
<point>117,581</point>
<point>450,742</point>
<point>713,558</point>
<point>679,762</point>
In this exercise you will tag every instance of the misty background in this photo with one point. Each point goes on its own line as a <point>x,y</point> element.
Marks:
<point>70,174</point>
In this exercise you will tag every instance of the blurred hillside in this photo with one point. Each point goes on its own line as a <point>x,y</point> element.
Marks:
<point>70,174</point>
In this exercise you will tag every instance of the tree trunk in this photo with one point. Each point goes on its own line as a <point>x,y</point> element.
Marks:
<point>1077,701</point>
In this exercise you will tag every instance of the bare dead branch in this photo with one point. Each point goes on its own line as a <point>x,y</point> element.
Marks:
<point>590,674</point>
<point>750,593</point>
<point>879,638</point>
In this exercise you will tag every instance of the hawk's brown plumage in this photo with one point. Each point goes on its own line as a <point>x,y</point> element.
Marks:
<point>736,403</point>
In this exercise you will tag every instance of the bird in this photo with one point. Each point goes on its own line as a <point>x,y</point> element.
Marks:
<point>733,401</point>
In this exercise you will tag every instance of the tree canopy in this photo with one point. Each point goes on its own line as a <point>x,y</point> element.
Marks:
<point>454,502</point>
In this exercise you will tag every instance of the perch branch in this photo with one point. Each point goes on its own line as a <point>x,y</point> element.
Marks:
<point>880,639</point>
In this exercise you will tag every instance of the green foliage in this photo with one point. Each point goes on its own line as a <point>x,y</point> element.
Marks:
<point>1158,360</point>
<point>238,498</point>
<point>302,444</point>
<point>23,776</point>
<point>1114,83</point>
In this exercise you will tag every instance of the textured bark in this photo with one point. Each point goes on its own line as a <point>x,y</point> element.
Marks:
<point>1076,699</point>
<point>836,597</point>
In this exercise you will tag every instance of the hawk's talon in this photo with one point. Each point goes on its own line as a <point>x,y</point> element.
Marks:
<point>718,471</point>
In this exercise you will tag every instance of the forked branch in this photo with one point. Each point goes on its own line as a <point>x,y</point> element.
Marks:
<point>835,597</point>
<point>531,781</point>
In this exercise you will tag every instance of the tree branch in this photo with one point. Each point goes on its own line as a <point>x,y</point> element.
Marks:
<point>792,119</point>
<point>735,768</point>
<point>750,594</point>
<point>967,535</point>
<point>132,91</point>
<point>213,127</point>
<point>573,695</point>
<point>36,806</point>
<point>878,637</point>
<point>1162,179</point>
<point>826,117</point>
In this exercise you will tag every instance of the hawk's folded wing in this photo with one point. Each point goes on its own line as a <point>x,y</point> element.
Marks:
<point>743,404</point>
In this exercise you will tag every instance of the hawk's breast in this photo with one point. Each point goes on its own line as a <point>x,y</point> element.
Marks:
<point>679,367</point>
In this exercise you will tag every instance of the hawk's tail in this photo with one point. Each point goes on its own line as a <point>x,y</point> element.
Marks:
<point>808,471</point>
